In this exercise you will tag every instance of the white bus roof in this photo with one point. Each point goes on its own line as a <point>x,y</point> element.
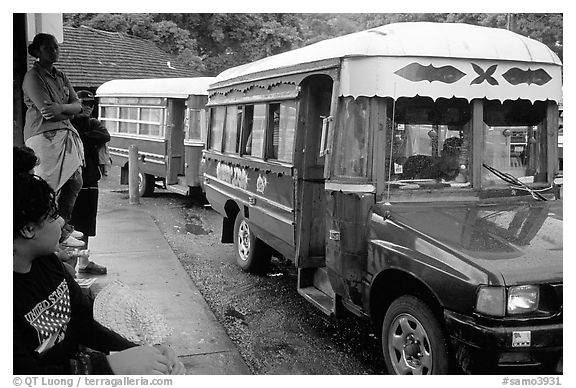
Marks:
<point>413,39</point>
<point>155,87</point>
<point>437,60</point>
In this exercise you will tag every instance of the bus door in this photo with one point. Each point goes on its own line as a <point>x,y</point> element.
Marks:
<point>195,135</point>
<point>316,95</point>
<point>174,140</point>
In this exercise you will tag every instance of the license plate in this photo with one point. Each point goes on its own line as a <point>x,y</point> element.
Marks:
<point>520,339</point>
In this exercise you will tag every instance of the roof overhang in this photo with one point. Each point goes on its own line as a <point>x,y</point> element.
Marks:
<point>442,78</point>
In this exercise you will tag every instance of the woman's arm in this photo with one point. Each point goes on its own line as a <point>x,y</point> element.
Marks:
<point>35,89</point>
<point>58,112</point>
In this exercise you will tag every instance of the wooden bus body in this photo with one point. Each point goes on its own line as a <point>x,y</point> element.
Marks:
<point>165,118</point>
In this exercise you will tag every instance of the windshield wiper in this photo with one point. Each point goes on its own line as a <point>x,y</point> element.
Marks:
<point>509,178</point>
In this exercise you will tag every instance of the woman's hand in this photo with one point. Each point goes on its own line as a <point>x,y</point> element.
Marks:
<point>140,360</point>
<point>176,366</point>
<point>51,110</point>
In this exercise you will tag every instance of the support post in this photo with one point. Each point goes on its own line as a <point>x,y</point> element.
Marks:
<point>133,181</point>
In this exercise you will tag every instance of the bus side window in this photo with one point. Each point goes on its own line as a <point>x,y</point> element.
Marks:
<point>231,129</point>
<point>352,138</point>
<point>247,122</point>
<point>281,131</point>
<point>287,132</point>
<point>217,127</point>
<point>258,130</point>
<point>273,131</point>
<point>194,126</point>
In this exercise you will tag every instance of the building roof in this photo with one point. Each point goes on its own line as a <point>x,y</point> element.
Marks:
<point>90,57</point>
<point>412,39</point>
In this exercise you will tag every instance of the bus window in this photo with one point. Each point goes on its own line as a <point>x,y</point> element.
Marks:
<point>258,130</point>
<point>231,129</point>
<point>287,132</point>
<point>515,141</point>
<point>273,131</point>
<point>431,142</point>
<point>193,125</point>
<point>247,120</point>
<point>151,122</point>
<point>217,124</point>
<point>239,115</point>
<point>352,131</point>
<point>106,114</point>
<point>128,115</point>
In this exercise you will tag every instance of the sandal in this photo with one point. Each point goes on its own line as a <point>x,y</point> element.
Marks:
<point>94,269</point>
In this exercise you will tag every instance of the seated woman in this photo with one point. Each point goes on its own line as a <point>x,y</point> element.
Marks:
<point>419,167</point>
<point>448,165</point>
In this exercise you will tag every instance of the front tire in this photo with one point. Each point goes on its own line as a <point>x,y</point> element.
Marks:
<point>252,254</point>
<point>146,184</point>
<point>413,342</point>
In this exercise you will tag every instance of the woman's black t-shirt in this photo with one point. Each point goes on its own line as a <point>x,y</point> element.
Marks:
<point>53,321</point>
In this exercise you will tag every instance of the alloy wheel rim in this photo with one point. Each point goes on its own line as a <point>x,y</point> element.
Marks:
<point>409,347</point>
<point>244,240</point>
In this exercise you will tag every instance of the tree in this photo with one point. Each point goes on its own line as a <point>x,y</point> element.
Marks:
<point>215,42</point>
<point>227,40</point>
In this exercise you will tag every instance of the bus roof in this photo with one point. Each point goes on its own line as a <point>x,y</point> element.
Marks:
<point>413,39</point>
<point>155,87</point>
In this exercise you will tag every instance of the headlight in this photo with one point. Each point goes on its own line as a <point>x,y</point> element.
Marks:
<point>491,301</point>
<point>523,299</point>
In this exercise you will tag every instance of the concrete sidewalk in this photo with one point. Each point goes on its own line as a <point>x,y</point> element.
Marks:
<point>135,251</point>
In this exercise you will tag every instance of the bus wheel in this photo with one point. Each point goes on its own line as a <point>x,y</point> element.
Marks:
<point>252,254</point>
<point>146,183</point>
<point>413,342</point>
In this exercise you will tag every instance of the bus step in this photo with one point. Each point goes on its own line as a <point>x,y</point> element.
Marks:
<point>314,285</point>
<point>179,189</point>
<point>324,302</point>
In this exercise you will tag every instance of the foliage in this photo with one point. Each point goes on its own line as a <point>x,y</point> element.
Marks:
<point>211,43</point>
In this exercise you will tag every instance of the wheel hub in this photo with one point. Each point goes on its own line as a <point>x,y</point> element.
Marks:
<point>409,347</point>
<point>412,352</point>
<point>244,240</point>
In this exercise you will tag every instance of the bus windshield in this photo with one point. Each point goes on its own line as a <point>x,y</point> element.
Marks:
<point>430,143</point>
<point>515,141</point>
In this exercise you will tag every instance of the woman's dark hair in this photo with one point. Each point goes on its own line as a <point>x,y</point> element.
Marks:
<point>34,201</point>
<point>38,41</point>
<point>24,159</point>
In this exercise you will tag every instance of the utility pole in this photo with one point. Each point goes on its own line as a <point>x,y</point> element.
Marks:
<point>511,22</point>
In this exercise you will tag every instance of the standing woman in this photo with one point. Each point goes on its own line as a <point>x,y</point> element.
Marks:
<point>94,136</point>
<point>51,102</point>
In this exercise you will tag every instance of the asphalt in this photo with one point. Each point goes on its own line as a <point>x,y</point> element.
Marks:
<point>134,250</point>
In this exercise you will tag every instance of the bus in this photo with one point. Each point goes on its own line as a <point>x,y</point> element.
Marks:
<point>166,119</point>
<point>407,173</point>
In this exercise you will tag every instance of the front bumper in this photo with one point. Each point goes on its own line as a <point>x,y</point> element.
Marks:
<point>533,348</point>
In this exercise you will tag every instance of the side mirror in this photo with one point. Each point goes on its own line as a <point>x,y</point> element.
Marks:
<point>325,127</point>
<point>559,181</point>
<point>558,185</point>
